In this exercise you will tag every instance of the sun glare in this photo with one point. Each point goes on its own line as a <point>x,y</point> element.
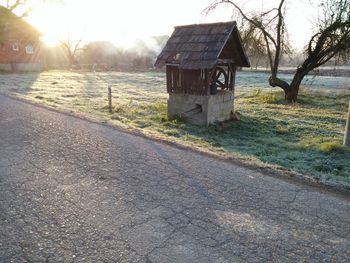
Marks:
<point>122,23</point>
<point>91,22</point>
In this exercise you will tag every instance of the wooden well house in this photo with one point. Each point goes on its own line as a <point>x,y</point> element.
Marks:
<point>201,62</point>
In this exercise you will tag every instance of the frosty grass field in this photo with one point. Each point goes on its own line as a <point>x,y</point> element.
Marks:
<point>304,137</point>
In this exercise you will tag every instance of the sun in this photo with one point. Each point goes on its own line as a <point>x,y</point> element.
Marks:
<point>47,20</point>
<point>89,23</point>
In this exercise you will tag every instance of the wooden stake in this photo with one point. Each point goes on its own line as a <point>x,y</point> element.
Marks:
<point>347,130</point>
<point>109,99</point>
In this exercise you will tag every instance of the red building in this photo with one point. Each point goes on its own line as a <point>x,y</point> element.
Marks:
<point>19,44</point>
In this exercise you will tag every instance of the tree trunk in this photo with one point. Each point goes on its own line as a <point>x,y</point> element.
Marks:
<point>291,91</point>
<point>292,94</point>
<point>276,82</point>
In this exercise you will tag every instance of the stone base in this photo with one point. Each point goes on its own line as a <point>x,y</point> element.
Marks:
<point>214,108</point>
<point>20,67</point>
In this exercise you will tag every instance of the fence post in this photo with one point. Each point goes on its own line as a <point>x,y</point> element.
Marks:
<point>347,129</point>
<point>109,99</point>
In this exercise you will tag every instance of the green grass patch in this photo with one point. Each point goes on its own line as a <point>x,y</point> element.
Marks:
<point>268,98</point>
<point>331,147</point>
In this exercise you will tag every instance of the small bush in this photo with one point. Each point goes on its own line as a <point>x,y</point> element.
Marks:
<point>256,92</point>
<point>118,109</point>
<point>331,147</point>
<point>160,106</point>
<point>269,98</point>
<point>282,129</point>
<point>116,117</point>
<point>342,95</point>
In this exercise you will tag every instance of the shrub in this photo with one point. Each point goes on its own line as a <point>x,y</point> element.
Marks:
<point>159,106</point>
<point>256,92</point>
<point>269,98</point>
<point>331,147</point>
<point>281,129</point>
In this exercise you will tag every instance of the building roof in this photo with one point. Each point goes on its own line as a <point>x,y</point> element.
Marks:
<point>13,25</point>
<point>200,46</point>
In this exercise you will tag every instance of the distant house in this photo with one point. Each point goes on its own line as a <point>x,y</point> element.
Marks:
<point>19,44</point>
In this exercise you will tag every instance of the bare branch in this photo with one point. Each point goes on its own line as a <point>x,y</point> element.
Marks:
<point>250,20</point>
<point>13,5</point>
<point>268,12</point>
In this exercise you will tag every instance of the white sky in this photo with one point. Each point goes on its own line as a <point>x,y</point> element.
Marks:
<point>122,22</point>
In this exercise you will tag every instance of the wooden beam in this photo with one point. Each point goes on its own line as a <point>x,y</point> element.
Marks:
<point>225,61</point>
<point>168,79</point>
<point>347,129</point>
<point>173,64</point>
<point>207,82</point>
<point>232,69</point>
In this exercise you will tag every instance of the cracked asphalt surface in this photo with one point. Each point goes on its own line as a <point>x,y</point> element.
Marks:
<point>76,191</point>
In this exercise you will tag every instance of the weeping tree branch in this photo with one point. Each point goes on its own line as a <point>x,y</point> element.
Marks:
<point>272,43</point>
<point>326,44</point>
<point>331,39</point>
<point>254,43</point>
<point>256,23</point>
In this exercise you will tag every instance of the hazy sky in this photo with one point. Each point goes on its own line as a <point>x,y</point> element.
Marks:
<point>121,22</point>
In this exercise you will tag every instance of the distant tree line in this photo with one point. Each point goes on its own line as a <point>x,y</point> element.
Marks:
<point>104,55</point>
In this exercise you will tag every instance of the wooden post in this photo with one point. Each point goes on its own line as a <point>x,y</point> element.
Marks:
<point>347,129</point>
<point>109,99</point>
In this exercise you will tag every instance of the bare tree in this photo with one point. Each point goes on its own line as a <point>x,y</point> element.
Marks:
<point>71,47</point>
<point>11,5</point>
<point>332,38</point>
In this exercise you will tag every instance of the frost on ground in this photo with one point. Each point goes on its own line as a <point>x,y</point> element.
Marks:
<point>86,91</point>
<point>305,137</point>
<point>251,79</point>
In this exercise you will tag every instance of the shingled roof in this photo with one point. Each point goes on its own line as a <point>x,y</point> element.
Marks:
<point>201,46</point>
<point>16,25</point>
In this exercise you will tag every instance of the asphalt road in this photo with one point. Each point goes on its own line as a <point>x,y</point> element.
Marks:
<point>75,191</point>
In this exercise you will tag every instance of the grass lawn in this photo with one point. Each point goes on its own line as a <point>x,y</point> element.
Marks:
<point>305,137</point>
